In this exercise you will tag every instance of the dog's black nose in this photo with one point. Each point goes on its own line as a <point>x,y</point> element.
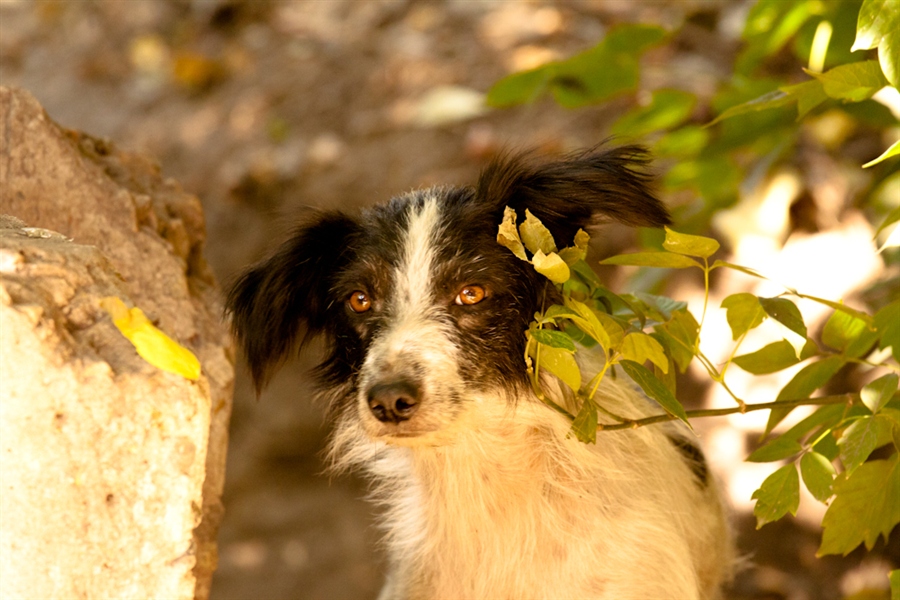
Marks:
<point>393,402</point>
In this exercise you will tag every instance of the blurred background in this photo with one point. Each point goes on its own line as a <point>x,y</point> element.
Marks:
<point>265,109</point>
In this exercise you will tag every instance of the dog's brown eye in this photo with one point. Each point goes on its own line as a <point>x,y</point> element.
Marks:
<point>471,294</point>
<point>359,302</point>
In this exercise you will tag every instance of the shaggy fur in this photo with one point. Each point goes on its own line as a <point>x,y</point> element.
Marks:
<point>485,494</point>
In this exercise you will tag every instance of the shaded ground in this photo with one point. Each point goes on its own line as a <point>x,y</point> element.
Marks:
<point>263,109</point>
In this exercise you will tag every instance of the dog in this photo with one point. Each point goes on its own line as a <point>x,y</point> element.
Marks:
<point>484,491</point>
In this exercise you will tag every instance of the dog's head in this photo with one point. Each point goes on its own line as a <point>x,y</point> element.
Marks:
<point>420,306</point>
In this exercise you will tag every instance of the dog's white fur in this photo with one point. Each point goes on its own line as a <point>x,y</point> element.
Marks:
<point>487,495</point>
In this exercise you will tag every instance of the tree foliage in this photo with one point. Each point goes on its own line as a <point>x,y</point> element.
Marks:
<point>853,52</point>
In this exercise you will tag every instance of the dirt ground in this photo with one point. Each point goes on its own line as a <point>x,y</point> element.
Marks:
<point>264,109</point>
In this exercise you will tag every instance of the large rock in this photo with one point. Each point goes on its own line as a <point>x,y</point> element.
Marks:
<point>112,470</point>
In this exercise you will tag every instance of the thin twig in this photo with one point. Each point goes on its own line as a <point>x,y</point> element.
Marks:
<point>718,412</point>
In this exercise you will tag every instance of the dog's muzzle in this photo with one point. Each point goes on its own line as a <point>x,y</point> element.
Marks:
<point>394,401</point>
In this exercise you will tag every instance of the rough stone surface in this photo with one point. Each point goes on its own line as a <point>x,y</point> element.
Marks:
<point>112,470</point>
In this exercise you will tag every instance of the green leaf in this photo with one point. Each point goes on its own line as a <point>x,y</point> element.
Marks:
<point>715,176</point>
<point>577,335</point>
<point>555,339</point>
<point>575,288</point>
<point>508,235</point>
<point>681,335</point>
<point>780,448</point>
<point>576,253</point>
<point>865,507</point>
<point>535,236</point>
<point>809,350</point>
<point>667,109</point>
<point>854,82</point>
<point>827,446</point>
<point>585,424</point>
<point>818,475</point>
<point>655,389</point>
<point>519,88</point>
<point>667,375</point>
<point>588,322</point>
<point>652,259</point>
<point>768,26</point>
<point>743,312</point>
<point>861,438</point>
<point>887,324</point>
<point>612,328</point>
<point>690,245</point>
<point>808,94</point>
<point>887,56</point>
<point>848,334</point>
<point>634,38</point>
<point>768,359</point>
<point>683,142</point>
<point>556,312</point>
<point>560,363</point>
<point>588,77</point>
<point>662,306</point>
<point>876,18</point>
<point>838,306</point>
<point>778,495</point>
<point>894,150</point>
<point>551,266</point>
<point>586,273</point>
<point>609,68</point>
<point>640,347</point>
<point>746,270</point>
<point>785,312</point>
<point>773,99</point>
<point>877,393</point>
<point>878,26</point>
<point>892,416</point>
<point>894,578</point>
<point>803,384</point>
<point>892,217</point>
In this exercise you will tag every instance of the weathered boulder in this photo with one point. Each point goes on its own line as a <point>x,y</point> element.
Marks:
<point>112,470</point>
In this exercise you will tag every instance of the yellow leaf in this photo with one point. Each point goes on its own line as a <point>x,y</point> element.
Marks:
<point>551,266</point>
<point>508,236</point>
<point>535,235</point>
<point>151,344</point>
<point>572,254</point>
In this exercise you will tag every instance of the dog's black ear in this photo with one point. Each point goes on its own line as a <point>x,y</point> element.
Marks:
<point>578,191</point>
<point>288,293</point>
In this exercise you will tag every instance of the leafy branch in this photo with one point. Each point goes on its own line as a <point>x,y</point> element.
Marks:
<point>760,119</point>
<point>614,327</point>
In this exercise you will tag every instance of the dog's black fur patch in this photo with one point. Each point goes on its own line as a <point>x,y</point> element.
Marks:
<point>695,459</point>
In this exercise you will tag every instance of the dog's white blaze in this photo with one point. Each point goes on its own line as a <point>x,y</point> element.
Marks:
<point>412,298</point>
<point>412,294</point>
<point>411,331</point>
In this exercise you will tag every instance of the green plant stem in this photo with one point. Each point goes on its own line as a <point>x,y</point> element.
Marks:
<point>742,406</point>
<point>608,413</point>
<point>860,361</point>
<point>705,291</point>
<point>822,436</point>
<point>599,378</point>
<point>718,412</point>
<point>731,356</point>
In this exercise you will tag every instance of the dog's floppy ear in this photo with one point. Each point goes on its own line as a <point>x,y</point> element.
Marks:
<point>575,192</point>
<point>287,293</point>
